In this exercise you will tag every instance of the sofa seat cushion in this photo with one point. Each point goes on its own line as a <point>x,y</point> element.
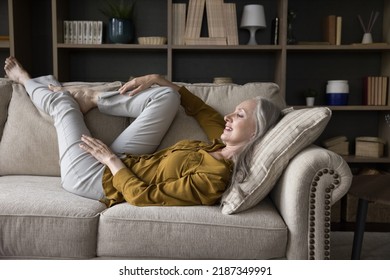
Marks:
<point>62,225</point>
<point>193,232</point>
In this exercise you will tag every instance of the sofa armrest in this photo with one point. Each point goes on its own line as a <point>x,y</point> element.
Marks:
<point>315,179</point>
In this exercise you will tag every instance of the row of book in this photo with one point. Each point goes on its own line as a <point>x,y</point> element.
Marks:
<point>221,23</point>
<point>83,32</point>
<point>333,29</point>
<point>375,90</point>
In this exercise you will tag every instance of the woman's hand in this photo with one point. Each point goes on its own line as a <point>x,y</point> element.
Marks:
<point>139,84</point>
<point>102,153</point>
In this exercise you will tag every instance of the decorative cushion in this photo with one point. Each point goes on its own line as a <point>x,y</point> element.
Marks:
<point>295,131</point>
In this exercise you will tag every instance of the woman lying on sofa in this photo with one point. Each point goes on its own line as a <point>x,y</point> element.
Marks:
<point>188,173</point>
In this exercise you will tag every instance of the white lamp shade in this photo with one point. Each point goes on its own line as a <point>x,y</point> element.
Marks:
<point>253,16</point>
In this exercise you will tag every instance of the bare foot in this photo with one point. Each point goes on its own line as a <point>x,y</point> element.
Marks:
<point>85,97</point>
<point>15,71</point>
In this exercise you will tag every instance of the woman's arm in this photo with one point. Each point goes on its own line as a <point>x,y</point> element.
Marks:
<point>139,84</point>
<point>208,118</point>
<point>102,153</point>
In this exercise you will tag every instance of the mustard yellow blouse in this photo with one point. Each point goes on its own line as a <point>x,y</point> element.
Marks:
<point>183,174</point>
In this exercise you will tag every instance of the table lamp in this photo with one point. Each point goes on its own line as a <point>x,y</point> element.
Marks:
<point>253,18</point>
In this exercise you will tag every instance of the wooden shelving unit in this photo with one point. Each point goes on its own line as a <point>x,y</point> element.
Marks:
<point>269,62</point>
<point>16,23</point>
<point>5,46</point>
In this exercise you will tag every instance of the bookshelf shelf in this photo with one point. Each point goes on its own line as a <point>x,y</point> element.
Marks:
<point>112,46</point>
<point>359,47</point>
<point>229,48</point>
<point>351,108</point>
<point>355,159</point>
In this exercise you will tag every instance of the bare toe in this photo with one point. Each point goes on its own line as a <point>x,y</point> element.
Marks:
<point>15,71</point>
<point>54,88</point>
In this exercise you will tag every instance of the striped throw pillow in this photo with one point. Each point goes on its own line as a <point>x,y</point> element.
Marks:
<point>295,131</point>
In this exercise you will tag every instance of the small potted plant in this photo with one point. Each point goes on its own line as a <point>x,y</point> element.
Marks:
<point>120,15</point>
<point>310,95</point>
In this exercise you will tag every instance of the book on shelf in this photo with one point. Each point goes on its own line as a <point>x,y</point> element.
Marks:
<point>4,38</point>
<point>376,91</point>
<point>83,32</point>
<point>339,21</point>
<point>80,32</point>
<point>179,23</point>
<point>275,31</point>
<point>333,29</point>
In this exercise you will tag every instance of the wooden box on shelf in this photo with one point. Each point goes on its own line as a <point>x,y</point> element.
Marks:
<point>369,147</point>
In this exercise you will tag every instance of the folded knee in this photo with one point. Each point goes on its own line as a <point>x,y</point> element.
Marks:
<point>170,96</point>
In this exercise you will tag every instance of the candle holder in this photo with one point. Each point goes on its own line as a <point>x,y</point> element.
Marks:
<point>367,36</point>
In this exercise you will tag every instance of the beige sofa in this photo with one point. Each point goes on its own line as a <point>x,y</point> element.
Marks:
<point>38,219</point>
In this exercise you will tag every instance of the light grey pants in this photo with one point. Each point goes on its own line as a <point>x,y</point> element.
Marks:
<point>81,174</point>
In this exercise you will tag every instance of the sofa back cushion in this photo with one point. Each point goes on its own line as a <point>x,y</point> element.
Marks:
<point>224,99</point>
<point>29,142</point>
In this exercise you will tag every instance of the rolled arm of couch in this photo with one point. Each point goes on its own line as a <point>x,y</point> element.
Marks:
<point>315,179</point>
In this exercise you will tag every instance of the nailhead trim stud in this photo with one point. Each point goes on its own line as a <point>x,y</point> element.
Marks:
<point>327,212</point>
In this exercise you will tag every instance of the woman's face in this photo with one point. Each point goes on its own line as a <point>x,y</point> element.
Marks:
<point>240,125</point>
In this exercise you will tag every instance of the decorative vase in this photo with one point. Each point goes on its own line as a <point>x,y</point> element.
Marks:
<point>367,38</point>
<point>120,31</point>
<point>337,92</point>
<point>290,35</point>
<point>310,101</point>
<point>291,40</point>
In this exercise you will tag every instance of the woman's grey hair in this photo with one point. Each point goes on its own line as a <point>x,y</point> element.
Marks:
<point>266,115</point>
